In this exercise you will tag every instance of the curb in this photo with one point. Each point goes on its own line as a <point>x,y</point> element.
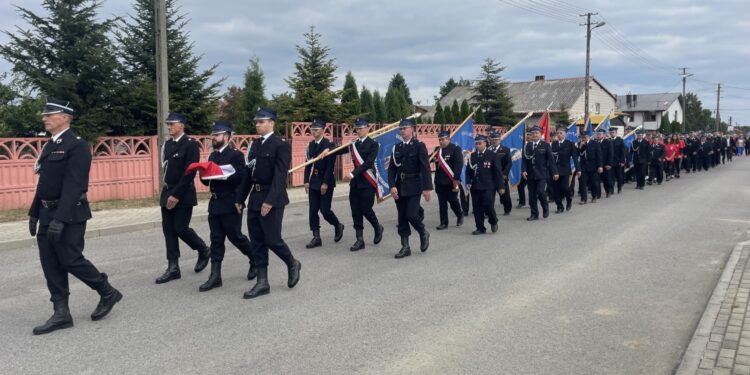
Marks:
<point>103,232</point>
<point>694,352</point>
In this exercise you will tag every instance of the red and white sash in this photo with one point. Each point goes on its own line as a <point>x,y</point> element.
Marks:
<point>357,159</point>
<point>444,166</point>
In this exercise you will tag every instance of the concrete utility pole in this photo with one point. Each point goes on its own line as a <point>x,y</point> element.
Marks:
<point>684,98</point>
<point>588,57</point>
<point>162,77</point>
<point>718,97</point>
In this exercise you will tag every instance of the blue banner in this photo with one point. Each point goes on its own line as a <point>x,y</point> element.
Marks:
<point>605,124</point>
<point>589,130</point>
<point>572,134</point>
<point>386,141</point>
<point>464,138</point>
<point>515,141</point>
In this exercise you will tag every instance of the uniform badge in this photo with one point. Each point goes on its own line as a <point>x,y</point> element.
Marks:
<point>58,141</point>
<point>487,164</point>
<point>176,155</point>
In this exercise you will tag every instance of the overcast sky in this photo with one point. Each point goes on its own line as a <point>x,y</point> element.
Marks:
<point>639,50</point>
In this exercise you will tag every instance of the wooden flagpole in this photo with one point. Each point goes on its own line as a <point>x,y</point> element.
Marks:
<point>373,134</point>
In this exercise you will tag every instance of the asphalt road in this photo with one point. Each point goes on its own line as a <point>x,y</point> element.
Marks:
<point>611,288</point>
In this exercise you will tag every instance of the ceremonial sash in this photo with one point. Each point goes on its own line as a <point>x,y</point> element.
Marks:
<point>444,166</point>
<point>357,159</point>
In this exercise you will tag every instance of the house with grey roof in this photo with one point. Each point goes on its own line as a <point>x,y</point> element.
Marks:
<point>537,95</point>
<point>646,110</point>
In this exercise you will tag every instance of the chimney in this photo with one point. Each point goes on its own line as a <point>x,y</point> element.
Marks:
<point>635,100</point>
<point>539,78</point>
<point>629,100</point>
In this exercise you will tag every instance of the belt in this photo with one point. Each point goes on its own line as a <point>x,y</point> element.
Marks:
<point>52,203</point>
<point>221,195</point>
<point>408,175</point>
<point>258,187</point>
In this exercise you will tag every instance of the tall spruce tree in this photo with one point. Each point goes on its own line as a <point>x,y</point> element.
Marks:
<point>492,95</point>
<point>439,115</point>
<point>313,79</point>
<point>230,105</point>
<point>351,107</point>
<point>367,104</point>
<point>456,112</point>
<point>190,91</point>
<point>66,53</point>
<point>399,82</point>
<point>253,96</point>
<point>479,117</point>
<point>465,110</point>
<point>393,108</point>
<point>379,104</point>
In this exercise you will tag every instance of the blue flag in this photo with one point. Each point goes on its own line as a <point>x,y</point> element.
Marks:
<point>605,124</point>
<point>464,138</point>
<point>589,130</point>
<point>628,140</point>
<point>386,141</point>
<point>515,141</point>
<point>572,134</point>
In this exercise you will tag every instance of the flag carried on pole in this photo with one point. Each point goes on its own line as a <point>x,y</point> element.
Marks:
<point>387,141</point>
<point>604,125</point>
<point>572,134</point>
<point>588,129</point>
<point>464,138</point>
<point>515,141</point>
<point>544,126</point>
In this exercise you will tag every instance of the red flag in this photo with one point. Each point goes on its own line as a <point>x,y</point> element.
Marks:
<point>544,125</point>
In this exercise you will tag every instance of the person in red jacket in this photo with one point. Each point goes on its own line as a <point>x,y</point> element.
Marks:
<point>680,142</point>
<point>670,155</point>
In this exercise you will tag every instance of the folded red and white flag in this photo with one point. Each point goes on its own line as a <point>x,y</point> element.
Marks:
<point>211,171</point>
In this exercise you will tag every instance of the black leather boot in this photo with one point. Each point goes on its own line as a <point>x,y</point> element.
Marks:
<point>261,286</point>
<point>172,272</point>
<point>339,232</point>
<point>360,243</point>
<point>405,249</point>
<point>214,280</point>
<point>424,240</point>
<point>60,319</point>
<point>252,272</point>
<point>109,297</point>
<point>378,234</point>
<point>204,256</point>
<point>293,271</point>
<point>316,241</point>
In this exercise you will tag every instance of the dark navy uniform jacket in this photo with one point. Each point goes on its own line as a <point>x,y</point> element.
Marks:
<point>224,192</point>
<point>591,156</point>
<point>506,159</point>
<point>267,165</point>
<point>620,152</point>
<point>607,151</point>
<point>320,172</point>
<point>409,169</point>
<point>177,157</point>
<point>484,172</point>
<point>563,152</point>
<point>538,161</point>
<point>454,159</point>
<point>63,169</point>
<point>641,151</point>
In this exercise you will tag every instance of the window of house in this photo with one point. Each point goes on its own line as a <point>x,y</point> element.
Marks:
<point>649,116</point>
<point>597,108</point>
<point>675,116</point>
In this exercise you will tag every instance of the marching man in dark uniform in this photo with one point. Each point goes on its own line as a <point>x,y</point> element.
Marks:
<point>619,155</point>
<point>178,198</point>
<point>223,219</point>
<point>409,179</point>
<point>60,211</point>
<point>537,165</point>
<point>363,183</point>
<point>607,157</point>
<point>319,185</point>
<point>640,151</point>
<point>449,162</point>
<point>506,162</point>
<point>564,151</point>
<point>591,166</point>
<point>267,162</point>
<point>484,177</point>
<point>657,161</point>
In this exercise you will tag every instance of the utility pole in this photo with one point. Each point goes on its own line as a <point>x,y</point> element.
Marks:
<point>162,78</point>
<point>684,98</point>
<point>718,97</point>
<point>588,57</point>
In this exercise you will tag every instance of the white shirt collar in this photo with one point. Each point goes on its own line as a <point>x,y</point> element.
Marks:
<point>57,136</point>
<point>265,137</point>
<point>409,141</point>
<point>178,138</point>
<point>317,141</point>
<point>362,139</point>
<point>224,148</point>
